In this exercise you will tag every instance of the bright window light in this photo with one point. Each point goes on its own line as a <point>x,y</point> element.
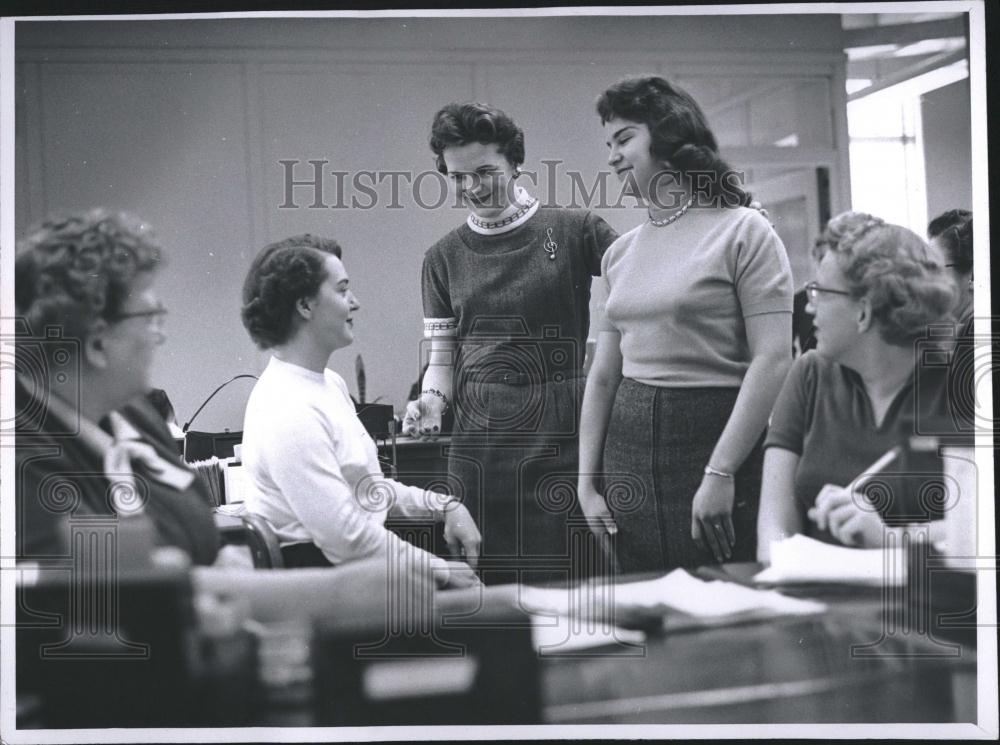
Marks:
<point>886,148</point>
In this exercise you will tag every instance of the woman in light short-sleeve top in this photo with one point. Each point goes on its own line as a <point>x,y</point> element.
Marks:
<point>692,344</point>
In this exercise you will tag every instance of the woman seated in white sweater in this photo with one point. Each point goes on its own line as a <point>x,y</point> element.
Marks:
<point>313,469</point>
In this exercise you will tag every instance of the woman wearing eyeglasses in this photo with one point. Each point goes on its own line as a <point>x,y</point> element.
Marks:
<point>85,289</point>
<point>859,394</point>
<point>835,228</point>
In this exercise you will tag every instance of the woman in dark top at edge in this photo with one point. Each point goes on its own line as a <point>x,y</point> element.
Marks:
<point>81,451</point>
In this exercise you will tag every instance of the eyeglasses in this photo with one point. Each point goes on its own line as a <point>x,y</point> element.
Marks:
<point>813,289</point>
<point>154,316</point>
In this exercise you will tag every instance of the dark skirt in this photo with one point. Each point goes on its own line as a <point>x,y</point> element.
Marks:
<point>302,555</point>
<point>513,461</point>
<point>658,443</point>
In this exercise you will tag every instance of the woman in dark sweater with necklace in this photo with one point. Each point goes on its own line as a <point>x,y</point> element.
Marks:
<point>506,311</point>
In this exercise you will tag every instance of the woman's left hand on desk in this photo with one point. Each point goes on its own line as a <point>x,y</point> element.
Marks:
<point>712,516</point>
<point>461,533</point>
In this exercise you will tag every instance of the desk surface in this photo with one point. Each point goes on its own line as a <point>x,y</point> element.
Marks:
<point>858,662</point>
<point>861,661</point>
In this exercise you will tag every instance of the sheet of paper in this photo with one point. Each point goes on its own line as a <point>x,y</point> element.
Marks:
<point>235,478</point>
<point>709,599</point>
<point>679,590</point>
<point>804,559</point>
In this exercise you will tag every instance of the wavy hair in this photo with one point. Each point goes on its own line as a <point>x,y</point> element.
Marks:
<point>953,230</point>
<point>837,227</point>
<point>281,274</point>
<point>902,277</point>
<point>679,132</point>
<point>463,123</point>
<point>76,269</point>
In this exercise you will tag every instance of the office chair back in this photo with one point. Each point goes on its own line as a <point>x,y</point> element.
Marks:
<point>263,543</point>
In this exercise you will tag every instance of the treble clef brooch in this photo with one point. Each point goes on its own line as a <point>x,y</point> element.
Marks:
<point>550,245</point>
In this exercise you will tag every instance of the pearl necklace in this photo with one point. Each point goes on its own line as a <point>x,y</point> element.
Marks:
<point>674,217</point>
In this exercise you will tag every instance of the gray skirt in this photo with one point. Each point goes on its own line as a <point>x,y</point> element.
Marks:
<point>658,443</point>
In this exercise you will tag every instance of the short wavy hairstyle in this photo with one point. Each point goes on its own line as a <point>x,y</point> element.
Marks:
<point>679,131</point>
<point>902,277</point>
<point>283,273</point>
<point>460,124</point>
<point>953,230</point>
<point>78,268</point>
<point>837,227</point>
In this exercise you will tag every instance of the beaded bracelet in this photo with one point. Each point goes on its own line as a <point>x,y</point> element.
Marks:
<point>435,392</point>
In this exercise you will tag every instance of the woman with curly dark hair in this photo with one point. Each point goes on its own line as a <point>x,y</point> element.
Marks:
<point>853,398</point>
<point>692,344</point>
<point>313,469</point>
<point>506,312</point>
<point>951,231</point>
<point>84,290</point>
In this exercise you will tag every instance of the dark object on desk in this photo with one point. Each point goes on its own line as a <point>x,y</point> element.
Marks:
<point>96,653</point>
<point>189,422</point>
<point>486,674</point>
<point>203,445</point>
<point>263,543</point>
<point>376,418</point>
<point>943,600</point>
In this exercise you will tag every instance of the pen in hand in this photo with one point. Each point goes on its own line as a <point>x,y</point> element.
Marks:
<point>832,497</point>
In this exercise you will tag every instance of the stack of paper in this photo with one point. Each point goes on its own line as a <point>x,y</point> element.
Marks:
<point>802,559</point>
<point>570,620</point>
<point>210,473</point>
<point>712,601</point>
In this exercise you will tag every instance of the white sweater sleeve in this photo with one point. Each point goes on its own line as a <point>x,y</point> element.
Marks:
<point>323,475</point>
<point>362,471</point>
